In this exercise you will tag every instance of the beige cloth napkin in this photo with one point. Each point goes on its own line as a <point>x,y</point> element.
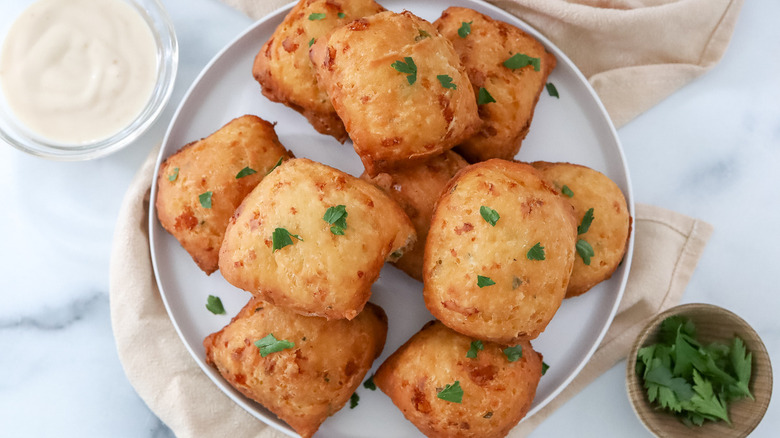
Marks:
<point>634,52</point>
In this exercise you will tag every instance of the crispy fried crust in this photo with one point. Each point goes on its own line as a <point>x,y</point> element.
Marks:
<point>321,273</point>
<point>211,164</point>
<point>496,393</point>
<point>462,245</point>
<point>416,189</point>
<point>391,122</point>
<point>305,384</point>
<point>610,229</point>
<point>283,68</point>
<point>483,52</point>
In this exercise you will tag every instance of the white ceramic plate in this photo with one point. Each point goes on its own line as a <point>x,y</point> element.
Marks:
<point>574,128</point>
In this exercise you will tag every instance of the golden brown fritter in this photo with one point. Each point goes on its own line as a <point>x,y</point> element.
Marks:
<point>308,381</point>
<point>279,246</point>
<point>198,187</point>
<point>283,68</point>
<point>398,86</point>
<point>416,189</point>
<point>499,253</point>
<point>496,393</point>
<point>609,228</point>
<point>483,52</point>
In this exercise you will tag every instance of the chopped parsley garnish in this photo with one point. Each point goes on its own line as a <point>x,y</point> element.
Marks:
<point>484,281</point>
<point>446,82</point>
<point>587,219</point>
<point>483,97</point>
<point>278,163</point>
<point>519,60</point>
<point>536,252</point>
<point>552,91</point>
<point>451,393</point>
<point>311,41</point>
<point>337,217</point>
<point>342,15</point>
<point>369,383</point>
<point>317,16</point>
<point>214,305</point>
<point>491,216</point>
<point>585,251</point>
<point>422,35</point>
<point>353,401</point>
<point>474,349</point>
<point>175,174</point>
<point>245,172</point>
<point>545,367</point>
<point>513,354</point>
<point>281,238</point>
<point>692,380</point>
<point>205,199</point>
<point>567,191</point>
<point>465,29</point>
<point>407,67</point>
<point>270,344</point>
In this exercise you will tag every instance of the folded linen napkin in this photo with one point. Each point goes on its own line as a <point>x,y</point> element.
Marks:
<point>634,52</point>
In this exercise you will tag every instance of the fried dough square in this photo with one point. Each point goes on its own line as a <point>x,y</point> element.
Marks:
<point>497,388</point>
<point>484,51</point>
<point>416,189</point>
<point>200,186</point>
<point>499,253</point>
<point>283,68</point>
<point>399,87</point>
<point>314,368</point>
<point>312,238</point>
<point>605,230</point>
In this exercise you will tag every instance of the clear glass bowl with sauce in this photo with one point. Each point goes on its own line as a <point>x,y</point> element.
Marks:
<point>21,136</point>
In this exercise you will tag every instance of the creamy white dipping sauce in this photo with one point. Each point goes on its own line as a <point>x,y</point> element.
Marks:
<point>77,71</point>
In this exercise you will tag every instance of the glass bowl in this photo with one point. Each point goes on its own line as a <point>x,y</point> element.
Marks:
<point>16,134</point>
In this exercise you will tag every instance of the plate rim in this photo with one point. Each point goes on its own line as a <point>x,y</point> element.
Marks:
<point>271,419</point>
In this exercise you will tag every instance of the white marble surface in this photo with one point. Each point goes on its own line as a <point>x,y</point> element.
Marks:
<point>710,151</point>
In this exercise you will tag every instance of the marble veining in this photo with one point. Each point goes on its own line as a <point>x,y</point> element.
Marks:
<point>711,151</point>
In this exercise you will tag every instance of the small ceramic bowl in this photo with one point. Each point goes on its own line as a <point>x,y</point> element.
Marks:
<point>713,323</point>
<point>19,136</point>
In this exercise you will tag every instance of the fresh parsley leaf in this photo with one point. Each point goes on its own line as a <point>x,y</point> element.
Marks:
<point>311,41</point>
<point>484,281</point>
<point>214,305</point>
<point>175,174</point>
<point>483,97</point>
<point>353,401</point>
<point>278,163</point>
<point>519,60</point>
<point>705,402</point>
<point>270,344</point>
<point>680,389</point>
<point>342,15</point>
<point>551,90</point>
<point>281,238</point>
<point>407,67</point>
<point>446,82</point>
<point>369,383</point>
<point>587,219</point>
<point>451,393</point>
<point>317,16</point>
<point>245,172</point>
<point>742,363</point>
<point>465,29</point>
<point>585,251</point>
<point>474,349</point>
<point>536,252</point>
<point>513,354</point>
<point>205,199</point>
<point>545,367</point>
<point>567,191</point>
<point>337,217</point>
<point>491,216</point>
